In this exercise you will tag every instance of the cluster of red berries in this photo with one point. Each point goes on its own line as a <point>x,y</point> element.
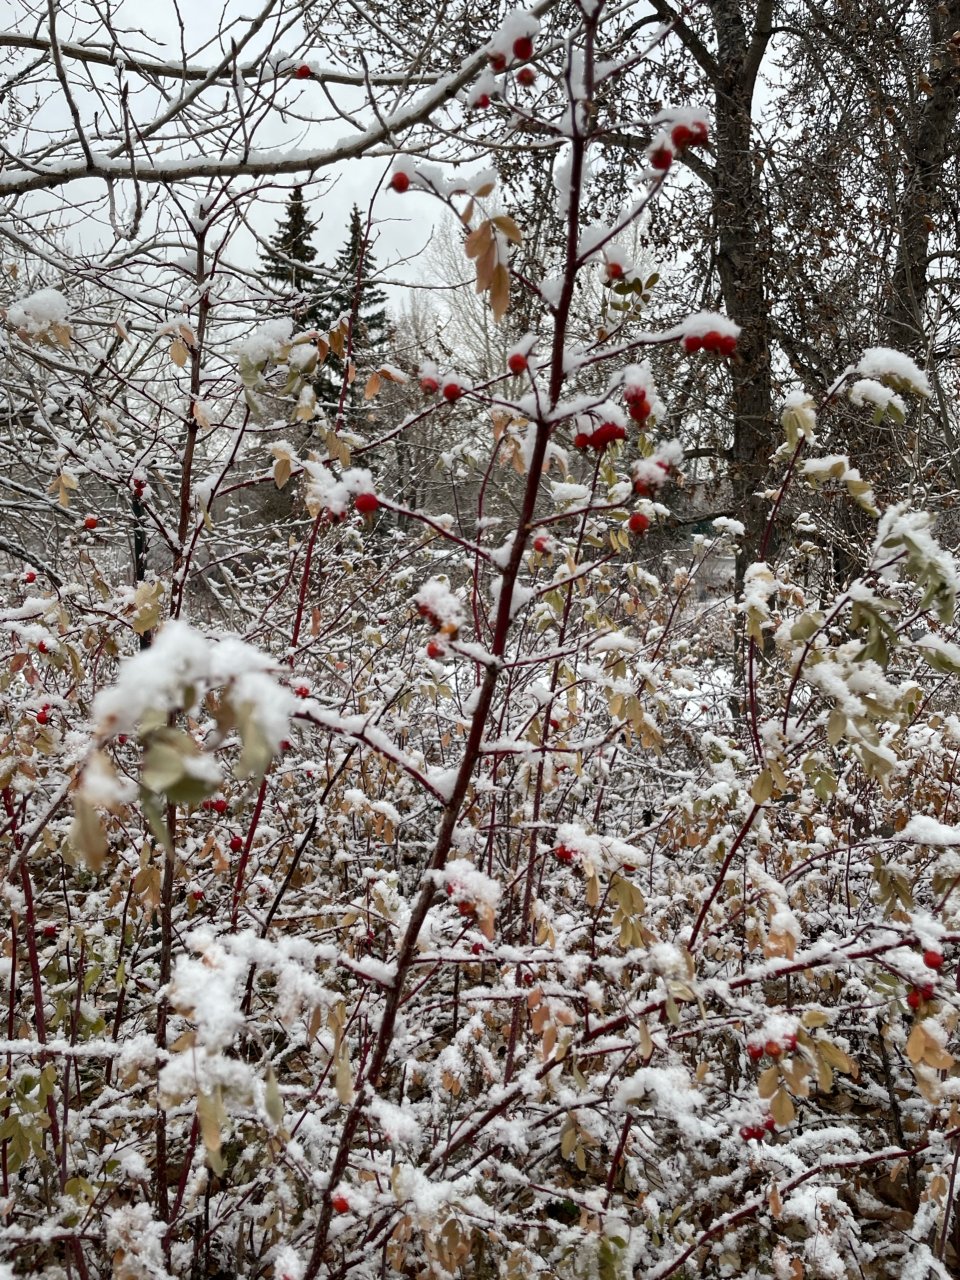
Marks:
<point>139,487</point>
<point>773,1048</point>
<point>638,406</point>
<point>43,715</point>
<point>755,1132</point>
<point>918,995</point>
<point>522,52</point>
<point>724,344</point>
<point>646,488</point>
<point>681,137</point>
<point>606,433</point>
<point>219,805</point>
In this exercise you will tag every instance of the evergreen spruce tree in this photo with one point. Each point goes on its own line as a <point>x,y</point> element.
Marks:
<point>371,327</point>
<point>288,259</point>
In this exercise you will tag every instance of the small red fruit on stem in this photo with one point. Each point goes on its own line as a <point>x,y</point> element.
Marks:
<point>429,386</point>
<point>303,72</point>
<point>340,1204</point>
<point>482,102</point>
<point>754,1052</point>
<point>563,854</point>
<point>933,959</point>
<point>614,271</point>
<point>219,805</point>
<point>302,691</point>
<point>42,716</point>
<point>435,650</point>
<point>498,61</point>
<point>914,999</point>
<point>29,576</point>
<point>773,1049</point>
<point>517,363</point>
<point>661,158</point>
<point>541,543</point>
<point>581,440</point>
<point>90,522</point>
<point>400,182</point>
<point>523,48</point>
<point>367,503</point>
<point>526,76</point>
<point>692,342</point>
<point>452,391</point>
<point>236,844</point>
<point>638,523</point>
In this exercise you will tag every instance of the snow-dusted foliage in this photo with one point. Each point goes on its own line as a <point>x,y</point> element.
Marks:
<point>406,887</point>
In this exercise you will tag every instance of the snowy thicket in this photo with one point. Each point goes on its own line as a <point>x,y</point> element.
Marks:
<point>469,891</point>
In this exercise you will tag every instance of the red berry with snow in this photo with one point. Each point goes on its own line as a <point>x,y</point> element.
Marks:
<point>692,342</point>
<point>29,576</point>
<point>467,908</point>
<point>638,523</point>
<point>452,391</point>
<point>197,895</point>
<point>933,959</point>
<point>498,61</point>
<point>526,76</point>
<point>429,386</point>
<point>482,102</point>
<point>726,344</point>
<point>90,522</point>
<point>541,543</point>
<point>790,1042</point>
<point>563,854</point>
<point>614,271</point>
<point>219,805</point>
<point>49,931</point>
<point>773,1049</point>
<point>754,1052</point>
<point>400,182</point>
<point>366,503</point>
<point>302,691</point>
<point>749,1132</point>
<point>770,1124</point>
<point>435,650</point>
<point>42,717</point>
<point>607,433</point>
<point>581,440</point>
<point>523,48</point>
<point>236,844</point>
<point>928,990</point>
<point>517,364</point>
<point>340,1204</point>
<point>303,72</point>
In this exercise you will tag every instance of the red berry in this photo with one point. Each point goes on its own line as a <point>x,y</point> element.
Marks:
<point>121,740</point>
<point>628,867</point>
<point>452,391</point>
<point>700,133</point>
<point>366,503</point>
<point>638,523</point>
<point>581,440</point>
<point>517,363</point>
<point>773,1049</point>
<point>219,805</point>
<point>928,990</point>
<point>42,717</point>
<point>340,1204</point>
<point>435,650</point>
<point>526,978</point>
<point>790,1042</point>
<point>661,158</point>
<point>303,72</point>
<point>563,854</point>
<point>605,434</point>
<point>770,1124</point>
<point>429,386</point>
<point>285,745</point>
<point>692,342</point>
<point>933,959</point>
<point>197,895</point>
<point>29,576</point>
<point>302,691</point>
<point>400,182</point>
<point>748,1132</point>
<point>614,271</point>
<point>526,76</point>
<point>49,930</point>
<point>541,543</point>
<point>523,48</point>
<point>482,102</point>
<point>711,340</point>
<point>42,647</point>
<point>498,61</point>
<point>236,844</point>
<point>478,948</point>
<point>467,908</point>
<point>914,999</point>
<point>90,522</point>
<point>681,136</point>
<point>642,488</point>
<point>637,403</point>
<point>754,1052</point>
<point>726,344</point>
